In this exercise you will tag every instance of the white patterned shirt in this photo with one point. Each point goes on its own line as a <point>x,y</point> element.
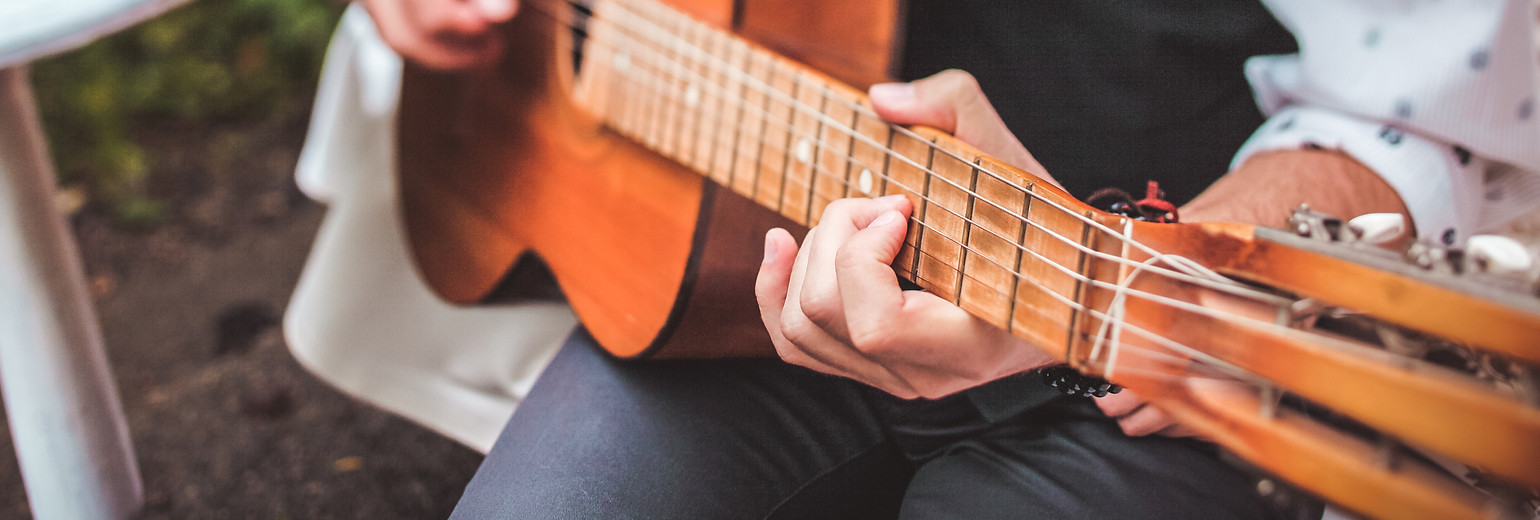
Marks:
<point>1437,97</point>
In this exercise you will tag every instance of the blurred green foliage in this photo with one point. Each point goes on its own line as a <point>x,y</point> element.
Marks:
<point>207,62</point>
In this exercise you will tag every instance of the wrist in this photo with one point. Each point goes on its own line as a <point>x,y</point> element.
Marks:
<point>1269,185</point>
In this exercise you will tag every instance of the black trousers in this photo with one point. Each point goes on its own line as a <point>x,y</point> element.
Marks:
<point>600,438</point>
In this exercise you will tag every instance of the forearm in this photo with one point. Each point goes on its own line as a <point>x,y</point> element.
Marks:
<point>1269,185</point>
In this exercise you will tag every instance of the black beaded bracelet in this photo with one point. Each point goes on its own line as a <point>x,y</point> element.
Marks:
<point>1072,382</point>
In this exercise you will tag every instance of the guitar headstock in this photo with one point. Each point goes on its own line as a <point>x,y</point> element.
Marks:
<point>1342,365</point>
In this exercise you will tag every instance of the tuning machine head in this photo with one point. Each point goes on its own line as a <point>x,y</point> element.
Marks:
<point>1371,228</point>
<point>1505,259</point>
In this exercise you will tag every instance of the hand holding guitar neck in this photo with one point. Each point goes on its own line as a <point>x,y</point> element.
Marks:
<point>834,305</point>
<point>444,34</point>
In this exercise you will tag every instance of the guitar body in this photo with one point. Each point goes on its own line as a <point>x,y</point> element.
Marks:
<point>644,175</point>
<point>499,167</point>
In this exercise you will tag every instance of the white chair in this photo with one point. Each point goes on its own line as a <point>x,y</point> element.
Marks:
<point>66,420</point>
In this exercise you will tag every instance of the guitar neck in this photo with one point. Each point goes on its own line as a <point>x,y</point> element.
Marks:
<point>1023,255</point>
<point>988,237</point>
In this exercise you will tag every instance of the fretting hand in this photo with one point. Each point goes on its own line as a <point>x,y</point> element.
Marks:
<point>834,305</point>
<point>443,34</point>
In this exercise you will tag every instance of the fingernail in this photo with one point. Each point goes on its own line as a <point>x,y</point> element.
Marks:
<point>890,198</point>
<point>769,247</point>
<point>892,94</point>
<point>886,218</point>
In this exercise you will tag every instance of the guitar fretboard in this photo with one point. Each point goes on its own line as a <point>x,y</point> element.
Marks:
<point>981,236</point>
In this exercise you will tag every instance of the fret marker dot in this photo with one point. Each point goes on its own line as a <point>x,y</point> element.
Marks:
<point>692,96</point>
<point>865,181</point>
<point>804,151</point>
<point>622,62</point>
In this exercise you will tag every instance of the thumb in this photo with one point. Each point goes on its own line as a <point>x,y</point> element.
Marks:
<point>953,102</point>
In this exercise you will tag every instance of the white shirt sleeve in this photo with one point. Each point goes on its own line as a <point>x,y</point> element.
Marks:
<point>1438,98</point>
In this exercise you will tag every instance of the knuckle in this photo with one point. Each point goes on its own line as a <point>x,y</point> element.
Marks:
<point>839,207</point>
<point>820,304</point>
<point>796,328</point>
<point>789,353</point>
<point>873,340</point>
<point>959,81</point>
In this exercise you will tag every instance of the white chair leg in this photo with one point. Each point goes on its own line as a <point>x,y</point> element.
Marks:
<point>66,420</point>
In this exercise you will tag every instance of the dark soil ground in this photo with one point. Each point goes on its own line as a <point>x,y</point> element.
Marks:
<point>225,423</point>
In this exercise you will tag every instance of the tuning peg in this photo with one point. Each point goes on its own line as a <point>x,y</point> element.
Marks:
<point>1497,254</point>
<point>1377,228</point>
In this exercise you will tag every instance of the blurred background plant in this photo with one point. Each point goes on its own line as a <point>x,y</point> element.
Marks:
<point>212,62</point>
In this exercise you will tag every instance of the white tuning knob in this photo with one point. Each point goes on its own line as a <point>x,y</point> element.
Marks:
<point>1497,254</point>
<point>1377,228</point>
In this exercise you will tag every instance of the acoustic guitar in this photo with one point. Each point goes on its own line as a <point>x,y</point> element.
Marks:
<point>641,150</point>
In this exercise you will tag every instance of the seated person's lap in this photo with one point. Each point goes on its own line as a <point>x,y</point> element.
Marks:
<point>600,438</point>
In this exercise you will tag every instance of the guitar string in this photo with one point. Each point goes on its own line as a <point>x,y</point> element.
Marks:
<point>798,79</point>
<point>655,85</point>
<point>1051,202</point>
<point>1192,353</point>
<point>941,233</point>
<point>955,241</point>
<point>657,81</point>
<point>1206,279</point>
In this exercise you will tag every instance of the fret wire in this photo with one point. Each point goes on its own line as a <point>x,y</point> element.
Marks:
<point>889,154</point>
<point>1074,319</point>
<point>1049,262</point>
<point>732,165</point>
<point>686,140</point>
<point>1099,315</point>
<point>926,198</point>
<point>1021,238</point>
<point>757,142</point>
<point>674,61</point>
<point>887,160</point>
<point>1168,343</point>
<point>930,156</point>
<point>686,150</point>
<point>702,109</point>
<point>649,133</point>
<point>703,135</point>
<point>855,121</point>
<point>759,162</point>
<point>857,106</point>
<point>968,229</point>
<point>714,135</point>
<point>1237,289</point>
<point>771,90</point>
<point>646,110</point>
<point>814,163</point>
<point>1092,312</point>
<point>1015,274</point>
<point>850,145</point>
<point>887,181</point>
<point>791,130</point>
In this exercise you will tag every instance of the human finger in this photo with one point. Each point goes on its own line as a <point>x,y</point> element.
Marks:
<point>1120,404</point>
<point>953,102</point>
<point>872,299</point>
<point>496,11</point>
<point>1144,421</point>
<point>770,289</point>
<point>819,294</point>
<point>442,34</point>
